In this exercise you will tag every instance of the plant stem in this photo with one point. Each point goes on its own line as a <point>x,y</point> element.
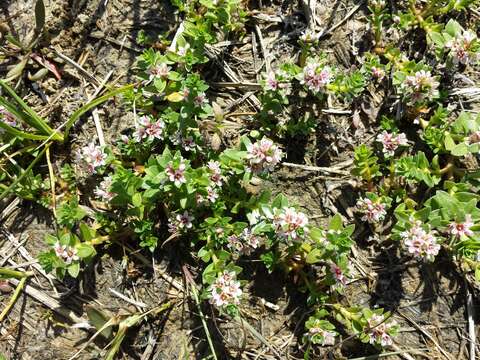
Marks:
<point>14,298</point>
<point>9,273</point>
<point>202,316</point>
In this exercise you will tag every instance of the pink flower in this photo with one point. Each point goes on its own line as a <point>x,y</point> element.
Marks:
<point>60,250</point>
<point>271,83</point>
<point>159,71</point>
<point>420,86</point>
<point>378,329</point>
<point>180,222</point>
<point>338,274</point>
<point>177,176</point>
<point>378,73</point>
<point>188,143</point>
<point>289,223</point>
<point>328,336</point>
<point>216,173</point>
<point>461,229</point>
<point>315,78</point>
<point>66,253</point>
<point>212,194</point>
<point>200,99</point>
<point>184,220</point>
<point>460,47</point>
<point>420,243</point>
<point>373,212</point>
<point>103,190</point>
<point>225,290</point>
<point>92,156</point>
<point>263,155</point>
<point>70,255</point>
<point>391,142</point>
<point>147,129</point>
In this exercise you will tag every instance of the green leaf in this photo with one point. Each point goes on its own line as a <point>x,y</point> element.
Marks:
<point>453,28</point>
<point>17,70</point>
<point>436,38</point>
<point>99,319</point>
<point>175,97</point>
<point>85,250</point>
<point>33,119</point>
<point>74,269</point>
<point>86,233</point>
<point>460,150</point>
<point>336,223</point>
<point>314,256</point>
<point>137,199</point>
<point>39,16</point>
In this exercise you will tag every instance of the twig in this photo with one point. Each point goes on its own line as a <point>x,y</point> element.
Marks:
<point>430,337</point>
<point>256,334</point>
<point>399,352</point>
<point>77,66</point>
<point>341,22</point>
<point>50,302</point>
<point>263,48</point>
<point>96,117</point>
<point>127,299</point>
<point>331,170</point>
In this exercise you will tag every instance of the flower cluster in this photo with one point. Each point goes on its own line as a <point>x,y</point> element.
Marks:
<point>391,142</point>
<point>148,129</point>
<point>92,156</point>
<point>225,290</point>
<point>320,336</point>
<point>216,173</point>
<point>103,189</point>
<point>315,77</point>
<point>373,211</point>
<point>462,228</point>
<point>290,223</point>
<point>309,36</point>
<point>379,330</point>
<point>244,243</point>
<point>159,71</point>
<point>338,274</point>
<point>200,99</point>
<point>275,81</point>
<point>181,222</point>
<point>420,243</point>
<point>462,47</point>
<point>421,86</point>
<point>263,155</point>
<point>176,175</point>
<point>66,253</point>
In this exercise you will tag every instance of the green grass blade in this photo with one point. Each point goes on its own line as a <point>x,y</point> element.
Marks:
<point>36,121</point>
<point>91,105</point>
<point>19,178</point>
<point>21,134</point>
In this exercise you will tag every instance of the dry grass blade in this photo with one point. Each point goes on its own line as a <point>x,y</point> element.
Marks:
<point>471,325</point>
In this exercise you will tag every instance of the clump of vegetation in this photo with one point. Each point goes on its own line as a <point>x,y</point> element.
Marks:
<point>171,178</point>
